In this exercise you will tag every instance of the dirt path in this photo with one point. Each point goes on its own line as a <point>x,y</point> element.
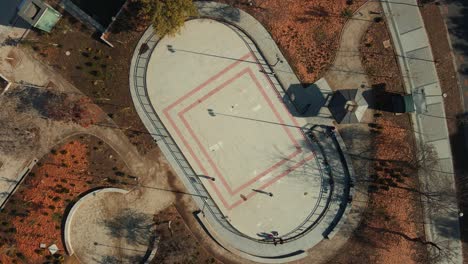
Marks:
<point>347,71</point>
<point>35,132</point>
<point>46,131</point>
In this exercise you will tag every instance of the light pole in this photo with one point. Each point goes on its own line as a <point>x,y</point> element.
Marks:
<point>206,177</point>
<point>203,207</point>
<point>278,59</point>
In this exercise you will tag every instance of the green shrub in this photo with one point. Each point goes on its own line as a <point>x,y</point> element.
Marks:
<point>57,217</point>
<point>347,13</point>
<point>119,173</point>
<point>167,16</point>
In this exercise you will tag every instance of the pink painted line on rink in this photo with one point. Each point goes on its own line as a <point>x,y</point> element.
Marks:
<point>199,163</point>
<point>207,82</point>
<point>196,159</point>
<point>178,101</point>
<point>194,136</point>
<point>210,161</point>
<point>274,89</point>
<point>263,187</point>
<point>286,129</point>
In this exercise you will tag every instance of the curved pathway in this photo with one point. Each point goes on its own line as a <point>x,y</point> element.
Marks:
<point>151,169</point>
<point>255,249</point>
<point>347,71</point>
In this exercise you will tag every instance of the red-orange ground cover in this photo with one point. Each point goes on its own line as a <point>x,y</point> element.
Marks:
<point>34,214</point>
<point>394,222</point>
<point>400,224</point>
<point>396,179</point>
<point>307,32</point>
<point>391,230</point>
<point>44,196</point>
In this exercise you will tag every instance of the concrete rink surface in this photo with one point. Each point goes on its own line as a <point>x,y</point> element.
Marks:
<point>224,113</point>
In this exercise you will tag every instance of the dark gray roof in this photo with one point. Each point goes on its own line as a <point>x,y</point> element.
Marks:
<point>343,111</point>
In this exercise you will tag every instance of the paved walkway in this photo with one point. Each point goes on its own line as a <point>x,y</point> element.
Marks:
<point>12,168</point>
<point>356,136</point>
<point>262,251</point>
<point>420,78</point>
<point>150,169</point>
<point>15,163</point>
<point>347,71</point>
<point>112,227</point>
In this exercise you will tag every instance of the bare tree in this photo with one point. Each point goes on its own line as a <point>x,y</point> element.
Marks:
<point>425,159</point>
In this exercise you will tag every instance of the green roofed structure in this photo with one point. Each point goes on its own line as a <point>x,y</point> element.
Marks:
<point>39,14</point>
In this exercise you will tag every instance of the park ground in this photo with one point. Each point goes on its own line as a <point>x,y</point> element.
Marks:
<point>308,33</point>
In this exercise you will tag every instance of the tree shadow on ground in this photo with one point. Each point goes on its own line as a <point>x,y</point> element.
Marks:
<point>327,171</point>
<point>393,174</point>
<point>121,259</point>
<point>358,141</point>
<point>308,172</point>
<point>440,250</point>
<point>31,98</point>
<point>364,244</point>
<point>132,226</point>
